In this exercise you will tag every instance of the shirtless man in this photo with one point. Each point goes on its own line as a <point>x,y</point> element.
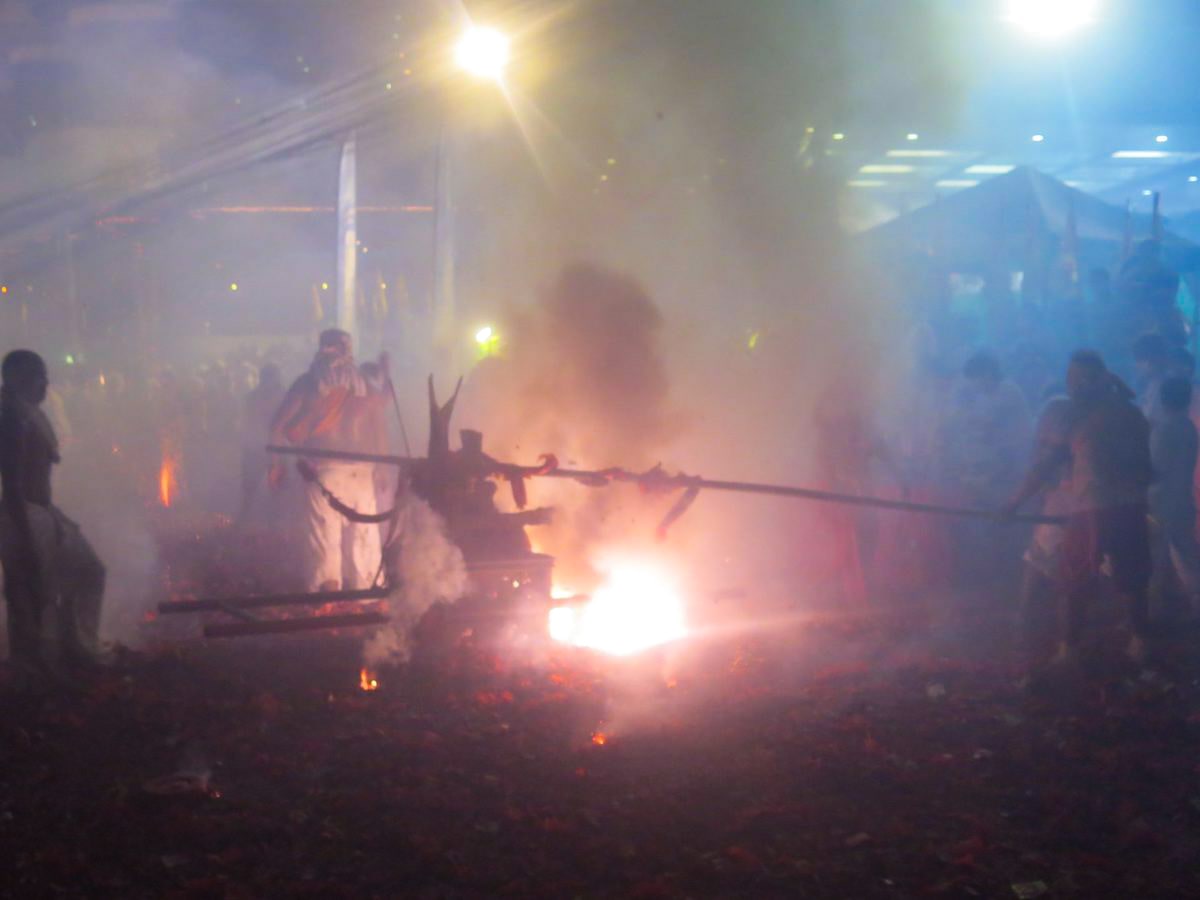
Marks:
<point>49,567</point>
<point>1107,446</point>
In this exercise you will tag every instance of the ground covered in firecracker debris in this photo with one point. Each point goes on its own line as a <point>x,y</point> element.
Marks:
<point>261,769</point>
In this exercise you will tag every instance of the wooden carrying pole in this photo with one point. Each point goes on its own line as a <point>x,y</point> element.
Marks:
<point>262,601</point>
<point>289,626</point>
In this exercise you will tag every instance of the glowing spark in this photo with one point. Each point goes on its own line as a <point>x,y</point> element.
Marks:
<point>599,739</point>
<point>367,681</point>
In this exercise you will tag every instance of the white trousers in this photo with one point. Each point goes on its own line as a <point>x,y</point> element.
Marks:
<point>341,553</point>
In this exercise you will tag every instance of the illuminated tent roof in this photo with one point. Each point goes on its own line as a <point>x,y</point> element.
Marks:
<point>1005,218</point>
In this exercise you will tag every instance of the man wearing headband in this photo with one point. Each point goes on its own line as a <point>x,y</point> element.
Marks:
<point>330,407</point>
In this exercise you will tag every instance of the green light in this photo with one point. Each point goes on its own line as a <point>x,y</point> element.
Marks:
<point>70,360</point>
<point>752,341</point>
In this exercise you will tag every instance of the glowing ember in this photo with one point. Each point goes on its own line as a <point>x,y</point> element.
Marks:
<point>599,739</point>
<point>636,608</point>
<point>168,480</point>
<point>367,681</point>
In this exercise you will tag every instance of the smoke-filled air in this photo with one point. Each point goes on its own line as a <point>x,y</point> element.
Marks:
<point>599,448</point>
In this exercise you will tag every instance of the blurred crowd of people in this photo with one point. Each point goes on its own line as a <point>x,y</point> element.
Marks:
<point>1079,410</point>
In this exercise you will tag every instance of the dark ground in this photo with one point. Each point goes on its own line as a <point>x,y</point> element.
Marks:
<point>749,775</point>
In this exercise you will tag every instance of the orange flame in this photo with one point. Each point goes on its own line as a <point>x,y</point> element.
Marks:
<point>168,481</point>
<point>367,681</point>
<point>599,739</point>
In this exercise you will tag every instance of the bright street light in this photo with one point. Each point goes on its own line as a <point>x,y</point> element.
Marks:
<point>1050,19</point>
<point>483,52</point>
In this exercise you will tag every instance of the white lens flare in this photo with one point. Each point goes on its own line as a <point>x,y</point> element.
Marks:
<point>1050,19</point>
<point>483,52</point>
<point>637,607</point>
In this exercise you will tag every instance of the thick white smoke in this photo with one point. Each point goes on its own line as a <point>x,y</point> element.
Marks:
<point>431,570</point>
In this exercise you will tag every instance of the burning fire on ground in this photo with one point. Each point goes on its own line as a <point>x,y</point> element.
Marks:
<point>168,479</point>
<point>367,681</point>
<point>638,606</point>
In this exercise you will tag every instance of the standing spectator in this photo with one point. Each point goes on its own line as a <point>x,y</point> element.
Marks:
<point>984,441</point>
<point>258,410</point>
<point>1173,448</point>
<point>1152,362</point>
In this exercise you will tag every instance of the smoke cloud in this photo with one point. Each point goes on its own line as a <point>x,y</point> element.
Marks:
<point>431,571</point>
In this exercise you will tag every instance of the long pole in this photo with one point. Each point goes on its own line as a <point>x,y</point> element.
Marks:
<point>660,480</point>
<point>347,237</point>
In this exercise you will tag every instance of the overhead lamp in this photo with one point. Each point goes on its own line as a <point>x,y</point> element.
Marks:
<point>1160,138</point>
<point>1051,19</point>
<point>988,169</point>
<point>956,183</point>
<point>838,136</point>
<point>885,169</point>
<point>919,154</point>
<point>483,52</point>
<point>866,183</point>
<point>912,136</point>
<point>1141,154</point>
<point>1193,179</point>
<point>1146,192</point>
<point>1038,138</point>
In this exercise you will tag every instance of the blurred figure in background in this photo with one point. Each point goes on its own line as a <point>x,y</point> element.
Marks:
<point>985,439</point>
<point>49,567</point>
<point>1152,363</point>
<point>1043,557</point>
<point>258,411</point>
<point>1173,449</point>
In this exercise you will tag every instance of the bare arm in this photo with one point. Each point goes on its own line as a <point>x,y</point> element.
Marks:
<point>1050,457</point>
<point>12,445</point>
